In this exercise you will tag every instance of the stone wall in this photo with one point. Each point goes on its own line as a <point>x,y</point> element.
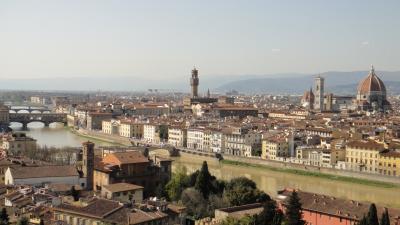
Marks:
<point>330,171</point>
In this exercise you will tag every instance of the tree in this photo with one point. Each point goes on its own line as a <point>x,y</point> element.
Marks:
<point>268,214</point>
<point>75,193</point>
<point>203,181</point>
<point>247,220</point>
<point>193,178</point>
<point>216,202</point>
<point>278,218</point>
<point>196,205</point>
<point>363,221</point>
<point>293,210</point>
<point>23,221</point>
<point>146,152</point>
<point>160,191</point>
<point>385,219</point>
<point>177,184</point>
<point>4,216</point>
<point>242,191</point>
<point>372,216</point>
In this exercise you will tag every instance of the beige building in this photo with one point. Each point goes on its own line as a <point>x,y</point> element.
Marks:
<point>363,156</point>
<point>273,148</point>
<point>123,128</point>
<point>102,211</point>
<point>236,212</point>
<point>195,138</point>
<point>151,133</point>
<point>131,129</point>
<point>95,120</point>
<point>389,163</point>
<point>241,141</point>
<point>40,175</point>
<point>18,143</point>
<point>177,136</point>
<point>110,127</point>
<point>123,192</point>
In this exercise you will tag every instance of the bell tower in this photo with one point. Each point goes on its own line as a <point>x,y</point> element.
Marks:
<point>319,84</point>
<point>88,163</point>
<point>194,82</point>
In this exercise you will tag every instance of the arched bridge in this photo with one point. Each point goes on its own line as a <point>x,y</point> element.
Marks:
<point>30,109</point>
<point>46,118</point>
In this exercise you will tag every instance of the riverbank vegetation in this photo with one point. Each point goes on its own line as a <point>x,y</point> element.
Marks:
<point>53,155</point>
<point>314,174</point>
<point>201,193</point>
<point>93,138</point>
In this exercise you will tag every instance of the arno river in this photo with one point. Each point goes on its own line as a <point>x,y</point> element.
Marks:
<point>266,180</point>
<point>55,135</point>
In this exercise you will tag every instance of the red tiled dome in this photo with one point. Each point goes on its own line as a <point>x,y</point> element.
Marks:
<point>372,83</point>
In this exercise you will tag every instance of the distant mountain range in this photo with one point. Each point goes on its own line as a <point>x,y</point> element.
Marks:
<point>336,82</point>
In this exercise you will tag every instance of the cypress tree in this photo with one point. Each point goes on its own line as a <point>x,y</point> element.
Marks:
<point>4,216</point>
<point>372,216</point>
<point>23,221</point>
<point>363,221</point>
<point>268,213</point>
<point>75,193</point>
<point>203,181</point>
<point>385,219</point>
<point>293,210</point>
<point>278,218</point>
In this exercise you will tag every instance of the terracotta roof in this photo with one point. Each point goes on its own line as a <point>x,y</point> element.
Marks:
<point>139,216</point>
<point>127,157</point>
<point>391,153</point>
<point>25,172</point>
<point>97,208</point>
<point>240,211</point>
<point>372,145</point>
<point>335,206</point>
<point>119,187</point>
<point>371,83</point>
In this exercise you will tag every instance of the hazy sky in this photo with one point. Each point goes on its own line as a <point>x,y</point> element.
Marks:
<point>50,38</point>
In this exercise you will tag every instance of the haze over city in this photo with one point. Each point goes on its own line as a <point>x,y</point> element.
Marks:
<point>161,40</point>
<point>187,112</point>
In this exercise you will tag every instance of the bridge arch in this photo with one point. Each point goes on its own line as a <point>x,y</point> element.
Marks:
<point>45,118</point>
<point>36,111</point>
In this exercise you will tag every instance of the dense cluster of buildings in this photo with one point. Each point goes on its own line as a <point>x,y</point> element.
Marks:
<point>358,133</point>
<point>113,186</point>
<point>371,96</point>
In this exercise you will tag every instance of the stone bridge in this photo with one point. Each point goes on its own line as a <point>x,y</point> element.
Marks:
<point>30,109</point>
<point>46,118</point>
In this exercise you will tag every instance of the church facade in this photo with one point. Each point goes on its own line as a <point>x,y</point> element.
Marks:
<point>371,96</point>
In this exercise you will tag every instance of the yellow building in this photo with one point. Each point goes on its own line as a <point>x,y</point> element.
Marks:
<point>131,129</point>
<point>363,155</point>
<point>273,148</point>
<point>389,163</point>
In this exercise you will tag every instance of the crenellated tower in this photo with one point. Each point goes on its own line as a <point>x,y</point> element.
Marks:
<point>194,82</point>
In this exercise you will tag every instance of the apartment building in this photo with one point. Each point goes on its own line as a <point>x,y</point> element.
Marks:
<point>274,148</point>
<point>177,136</point>
<point>363,155</point>
<point>195,138</point>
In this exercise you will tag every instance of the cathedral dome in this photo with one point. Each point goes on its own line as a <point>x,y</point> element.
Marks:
<point>372,83</point>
